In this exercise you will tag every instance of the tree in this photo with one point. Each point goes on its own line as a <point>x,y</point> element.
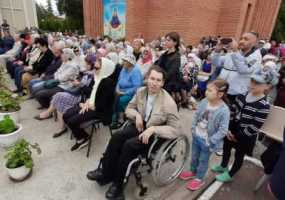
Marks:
<point>73,11</point>
<point>49,6</point>
<point>49,22</point>
<point>279,30</point>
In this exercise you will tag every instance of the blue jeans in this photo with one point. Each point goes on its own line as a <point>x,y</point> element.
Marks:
<point>36,85</point>
<point>19,70</point>
<point>200,157</point>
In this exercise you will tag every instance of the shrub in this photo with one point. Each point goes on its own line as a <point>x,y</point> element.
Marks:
<point>20,154</point>
<point>7,125</point>
<point>8,102</point>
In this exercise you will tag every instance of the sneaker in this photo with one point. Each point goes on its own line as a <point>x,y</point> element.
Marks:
<point>195,184</point>
<point>224,177</point>
<point>186,175</point>
<point>80,144</point>
<point>219,169</point>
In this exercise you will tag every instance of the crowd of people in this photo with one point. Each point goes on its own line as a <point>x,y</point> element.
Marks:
<point>77,79</point>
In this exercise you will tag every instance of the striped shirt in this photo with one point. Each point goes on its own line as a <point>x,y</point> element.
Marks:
<point>249,116</point>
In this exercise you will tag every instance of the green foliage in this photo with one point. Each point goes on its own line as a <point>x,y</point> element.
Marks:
<point>3,79</point>
<point>49,6</point>
<point>73,21</point>
<point>20,154</point>
<point>279,30</point>
<point>9,102</point>
<point>7,125</point>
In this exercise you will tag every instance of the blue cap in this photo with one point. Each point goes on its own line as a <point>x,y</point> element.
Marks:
<point>266,75</point>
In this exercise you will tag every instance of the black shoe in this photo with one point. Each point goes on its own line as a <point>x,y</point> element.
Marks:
<point>16,91</point>
<point>98,176</point>
<point>115,193</point>
<point>60,133</point>
<point>38,117</point>
<point>40,108</point>
<point>80,144</point>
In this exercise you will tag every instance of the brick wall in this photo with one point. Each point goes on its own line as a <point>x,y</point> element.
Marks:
<point>265,16</point>
<point>192,19</point>
<point>93,17</point>
<point>136,18</point>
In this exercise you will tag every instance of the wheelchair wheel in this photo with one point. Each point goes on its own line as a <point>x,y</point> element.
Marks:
<point>169,160</point>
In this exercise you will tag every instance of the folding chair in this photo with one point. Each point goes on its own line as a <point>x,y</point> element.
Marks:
<point>95,124</point>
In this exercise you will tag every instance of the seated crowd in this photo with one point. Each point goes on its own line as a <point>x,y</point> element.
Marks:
<point>77,79</point>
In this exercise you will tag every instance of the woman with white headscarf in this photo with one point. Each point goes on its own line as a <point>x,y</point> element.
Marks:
<point>98,106</point>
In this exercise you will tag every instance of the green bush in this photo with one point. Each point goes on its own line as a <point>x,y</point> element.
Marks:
<point>7,125</point>
<point>8,102</point>
<point>20,154</point>
<point>53,24</point>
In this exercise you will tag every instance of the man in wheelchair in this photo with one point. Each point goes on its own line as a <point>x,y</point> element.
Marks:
<point>152,111</point>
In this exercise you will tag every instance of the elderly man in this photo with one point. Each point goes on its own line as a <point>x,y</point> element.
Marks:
<point>152,111</point>
<point>239,63</point>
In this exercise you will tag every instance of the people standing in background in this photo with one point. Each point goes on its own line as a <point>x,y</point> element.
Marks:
<point>5,26</point>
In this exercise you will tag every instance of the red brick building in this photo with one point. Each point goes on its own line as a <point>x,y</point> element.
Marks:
<point>191,18</point>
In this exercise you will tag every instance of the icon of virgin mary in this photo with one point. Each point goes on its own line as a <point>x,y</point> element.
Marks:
<point>115,21</point>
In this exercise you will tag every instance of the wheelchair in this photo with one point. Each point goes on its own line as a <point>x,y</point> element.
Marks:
<point>164,161</point>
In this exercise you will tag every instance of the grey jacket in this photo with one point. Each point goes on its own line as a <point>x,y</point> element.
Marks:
<point>164,116</point>
<point>65,73</point>
<point>218,124</point>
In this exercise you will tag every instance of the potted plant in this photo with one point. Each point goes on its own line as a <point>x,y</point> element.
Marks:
<point>9,104</point>
<point>9,131</point>
<point>19,161</point>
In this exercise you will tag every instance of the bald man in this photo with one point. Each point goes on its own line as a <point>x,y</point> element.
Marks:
<point>238,63</point>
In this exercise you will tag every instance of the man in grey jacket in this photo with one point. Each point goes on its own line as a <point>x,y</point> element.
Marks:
<point>241,60</point>
<point>152,112</point>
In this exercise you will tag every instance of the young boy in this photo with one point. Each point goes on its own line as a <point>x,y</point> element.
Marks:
<point>249,113</point>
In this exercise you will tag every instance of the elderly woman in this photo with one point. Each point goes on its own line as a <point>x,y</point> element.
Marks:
<point>62,101</point>
<point>145,61</point>
<point>130,80</point>
<point>62,79</point>
<point>98,106</point>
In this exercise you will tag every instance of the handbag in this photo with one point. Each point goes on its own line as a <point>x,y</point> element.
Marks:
<point>51,83</point>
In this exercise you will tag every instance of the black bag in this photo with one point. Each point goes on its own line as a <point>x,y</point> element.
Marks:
<point>51,83</point>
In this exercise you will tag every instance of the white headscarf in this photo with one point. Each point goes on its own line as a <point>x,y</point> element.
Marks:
<point>113,56</point>
<point>107,68</point>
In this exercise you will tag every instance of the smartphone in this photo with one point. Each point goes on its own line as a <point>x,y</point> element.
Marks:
<point>226,41</point>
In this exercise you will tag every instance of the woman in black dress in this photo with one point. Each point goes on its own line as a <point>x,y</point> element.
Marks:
<point>170,61</point>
